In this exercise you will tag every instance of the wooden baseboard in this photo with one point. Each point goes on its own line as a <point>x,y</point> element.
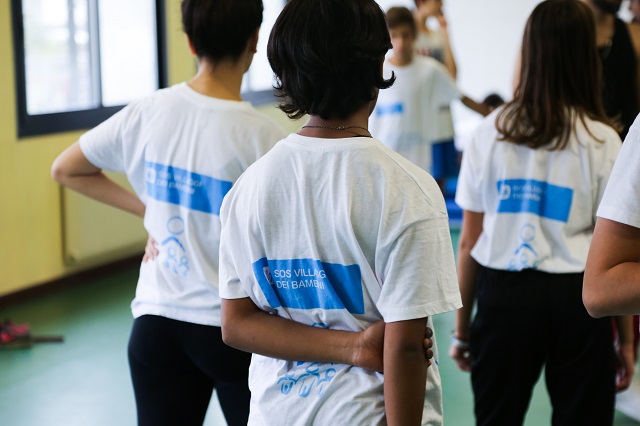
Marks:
<point>68,281</point>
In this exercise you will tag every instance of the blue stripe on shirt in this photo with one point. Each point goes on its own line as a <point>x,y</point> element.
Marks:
<point>310,284</point>
<point>185,188</point>
<point>536,197</point>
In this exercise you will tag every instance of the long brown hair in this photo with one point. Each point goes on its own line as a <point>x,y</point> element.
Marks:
<point>560,77</point>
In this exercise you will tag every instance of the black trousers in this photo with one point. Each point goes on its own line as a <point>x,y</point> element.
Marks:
<point>176,365</point>
<point>528,320</point>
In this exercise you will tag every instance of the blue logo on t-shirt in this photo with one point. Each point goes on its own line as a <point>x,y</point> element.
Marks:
<point>533,196</point>
<point>185,188</point>
<point>389,109</point>
<point>310,284</point>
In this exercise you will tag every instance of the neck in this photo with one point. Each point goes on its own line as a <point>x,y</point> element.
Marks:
<point>327,127</point>
<point>221,80</point>
<point>401,61</point>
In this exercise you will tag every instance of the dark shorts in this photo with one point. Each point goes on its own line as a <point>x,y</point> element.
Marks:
<point>445,163</point>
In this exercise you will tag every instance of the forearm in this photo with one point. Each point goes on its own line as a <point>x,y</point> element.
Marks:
<point>467,274</point>
<point>405,375</point>
<point>624,325</point>
<point>472,224</point>
<point>250,329</point>
<point>73,170</point>
<point>99,187</point>
<point>449,60</point>
<point>475,106</point>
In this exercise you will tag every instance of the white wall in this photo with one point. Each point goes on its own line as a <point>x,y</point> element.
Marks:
<point>485,37</point>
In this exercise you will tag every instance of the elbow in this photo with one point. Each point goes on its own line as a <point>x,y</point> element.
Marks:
<point>227,333</point>
<point>465,246</point>
<point>594,302</point>
<point>230,331</point>
<point>58,172</point>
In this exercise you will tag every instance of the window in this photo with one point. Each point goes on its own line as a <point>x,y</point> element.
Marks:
<point>257,85</point>
<point>79,61</point>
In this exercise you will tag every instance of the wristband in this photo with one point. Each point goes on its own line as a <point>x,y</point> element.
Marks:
<point>460,344</point>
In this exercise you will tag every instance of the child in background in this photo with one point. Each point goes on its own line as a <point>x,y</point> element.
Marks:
<point>433,43</point>
<point>407,115</point>
<point>531,179</point>
<point>334,230</point>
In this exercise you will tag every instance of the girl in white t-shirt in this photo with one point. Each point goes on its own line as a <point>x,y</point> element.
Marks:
<point>532,177</point>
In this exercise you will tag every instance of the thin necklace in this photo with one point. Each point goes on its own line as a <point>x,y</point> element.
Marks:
<point>343,128</point>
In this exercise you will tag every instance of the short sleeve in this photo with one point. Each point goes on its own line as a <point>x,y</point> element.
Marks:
<point>418,272</point>
<point>469,192</point>
<point>445,87</point>
<point>621,198</point>
<point>233,232</point>
<point>105,145</point>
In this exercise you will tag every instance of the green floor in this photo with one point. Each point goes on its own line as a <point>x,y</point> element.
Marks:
<point>85,380</point>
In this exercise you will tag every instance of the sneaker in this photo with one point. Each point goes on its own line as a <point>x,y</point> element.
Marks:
<point>9,341</point>
<point>18,330</point>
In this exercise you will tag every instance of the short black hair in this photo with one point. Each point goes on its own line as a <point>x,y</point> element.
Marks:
<point>327,56</point>
<point>220,29</point>
<point>397,16</point>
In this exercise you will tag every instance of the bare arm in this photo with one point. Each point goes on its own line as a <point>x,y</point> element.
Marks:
<point>246,327</point>
<point>467,273</point>
<point>406,372</point>
<point>625,364</point>
<point>73,170</point>
<point>612,275</point>
<point>475,106</point>
<point>449,59</point>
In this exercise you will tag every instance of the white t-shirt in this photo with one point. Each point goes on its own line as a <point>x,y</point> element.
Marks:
<point>539,205</point>
<point>181,151</point>
<point>406,116</point>
<point>433,45</point>
<point>336,233</point>
<point>621,200</point>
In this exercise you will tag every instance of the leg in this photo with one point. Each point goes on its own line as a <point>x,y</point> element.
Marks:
<point>507,346</point>
<point>229,368</point>
<point>169,388</point>
<point>580,371</point>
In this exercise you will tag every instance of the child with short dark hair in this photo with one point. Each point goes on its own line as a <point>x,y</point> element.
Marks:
<point>407,116</point>
<point>334,230</point>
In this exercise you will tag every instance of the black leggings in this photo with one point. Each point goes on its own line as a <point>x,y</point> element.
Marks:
<point>529,320</point>
<point>176,365</point>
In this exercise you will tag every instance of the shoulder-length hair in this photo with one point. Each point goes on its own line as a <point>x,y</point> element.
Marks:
<point>560,77</point>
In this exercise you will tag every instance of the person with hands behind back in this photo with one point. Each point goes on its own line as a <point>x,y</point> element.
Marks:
<point>333,231</point>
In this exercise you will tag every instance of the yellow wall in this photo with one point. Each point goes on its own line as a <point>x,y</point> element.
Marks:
<point>30,202</point>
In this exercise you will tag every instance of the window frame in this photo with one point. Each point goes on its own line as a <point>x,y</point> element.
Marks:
<point>43,124</point>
